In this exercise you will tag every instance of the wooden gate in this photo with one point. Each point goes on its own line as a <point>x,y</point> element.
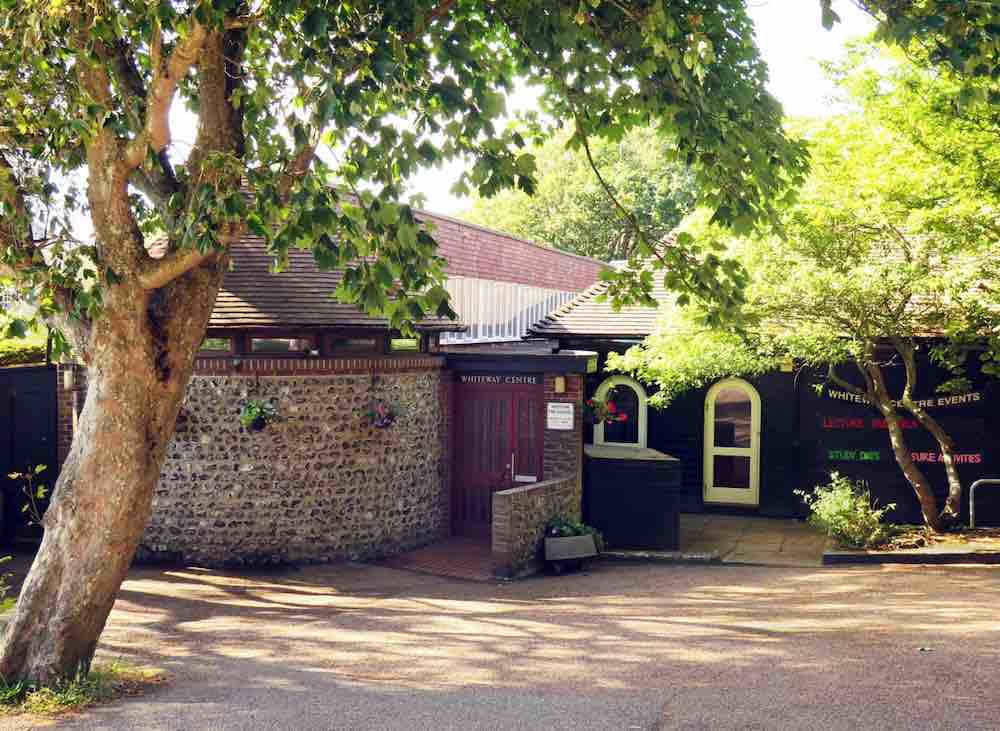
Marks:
<point>498,444</point>
<point>27,435</point>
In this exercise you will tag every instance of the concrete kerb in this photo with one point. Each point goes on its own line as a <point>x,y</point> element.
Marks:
<point>835,556</point>
<point>709,557</point>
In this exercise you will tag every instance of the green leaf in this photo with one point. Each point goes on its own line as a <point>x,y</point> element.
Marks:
<point>829,17</point>
<point>407,235</point>
<point>525,164</point>
<point>16,328</point>
<point>315,23</point>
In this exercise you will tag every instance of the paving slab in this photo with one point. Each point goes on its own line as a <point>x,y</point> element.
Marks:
<point>752,540</point>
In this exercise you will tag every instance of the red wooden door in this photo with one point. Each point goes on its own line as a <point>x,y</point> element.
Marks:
<point>498,443</point>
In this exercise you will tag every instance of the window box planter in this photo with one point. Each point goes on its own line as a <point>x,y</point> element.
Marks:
<point>570,548</point>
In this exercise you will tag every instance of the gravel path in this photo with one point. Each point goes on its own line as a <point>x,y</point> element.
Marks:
<point>620,647</point>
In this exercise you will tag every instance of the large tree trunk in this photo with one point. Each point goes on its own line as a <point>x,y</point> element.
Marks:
<point>137,376</point>
<point>140,352</point>
<point>914,475</point>
<point>879,396</point>
<point>951,512</point>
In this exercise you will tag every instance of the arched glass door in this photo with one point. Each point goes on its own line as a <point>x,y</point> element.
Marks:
<point>732,443</point>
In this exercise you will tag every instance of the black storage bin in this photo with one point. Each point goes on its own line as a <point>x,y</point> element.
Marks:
<point>632,495</point>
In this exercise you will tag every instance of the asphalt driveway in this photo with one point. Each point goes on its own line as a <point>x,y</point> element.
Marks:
<point>620,647</point>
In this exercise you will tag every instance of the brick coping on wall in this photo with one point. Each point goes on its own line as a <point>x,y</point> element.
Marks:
<point>258,366</point>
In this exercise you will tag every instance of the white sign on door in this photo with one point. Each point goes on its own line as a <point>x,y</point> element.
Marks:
<point>559,415</point>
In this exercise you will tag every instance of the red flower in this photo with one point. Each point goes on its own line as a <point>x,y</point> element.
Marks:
<point>611,407</point>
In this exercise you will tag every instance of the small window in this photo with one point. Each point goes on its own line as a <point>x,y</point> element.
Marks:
<point>338,344</point>
<point>282,346</point>
<point>216,345</point>
<point>404,344</point>
<point>629,398</point>
<point>626,402</point>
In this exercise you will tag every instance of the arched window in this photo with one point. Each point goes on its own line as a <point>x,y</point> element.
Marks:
<point>629,398</point>
<point>732,443</point>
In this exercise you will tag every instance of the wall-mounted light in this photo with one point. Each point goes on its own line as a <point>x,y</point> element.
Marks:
<point>559,384</point>
<point>69,378</point>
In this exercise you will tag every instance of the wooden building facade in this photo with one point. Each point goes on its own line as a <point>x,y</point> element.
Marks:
<point>748,446</point>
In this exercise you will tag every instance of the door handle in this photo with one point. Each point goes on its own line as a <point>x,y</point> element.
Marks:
<point>513,471</point>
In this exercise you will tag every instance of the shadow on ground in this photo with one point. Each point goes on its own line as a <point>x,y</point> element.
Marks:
<point>620,646</point>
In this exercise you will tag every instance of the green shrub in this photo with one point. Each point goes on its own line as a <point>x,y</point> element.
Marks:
<point>17,351</point>
<point>845,510</point>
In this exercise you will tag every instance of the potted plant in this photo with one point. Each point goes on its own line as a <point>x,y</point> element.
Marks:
<point>569,542</point>
<point>381,415</point>
<point>603,411</point>
<point>257,414</point>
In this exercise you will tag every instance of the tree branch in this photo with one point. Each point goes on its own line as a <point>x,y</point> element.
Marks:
<point>905,351</point>
<point>296,168</point>
<point>833,376</point>
<point>15,228</point>
<point>166,76</point>
<point>158,182</point>
<point>625,213</point>
<point>118,58</point>
<point>160,272</point>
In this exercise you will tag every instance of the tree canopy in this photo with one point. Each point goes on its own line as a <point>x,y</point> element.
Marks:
<point>959,35</point>
<point>570,209</point>
<point>890,247</point>
<point>383,89</point>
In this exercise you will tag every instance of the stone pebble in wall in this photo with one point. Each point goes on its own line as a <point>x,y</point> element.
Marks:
<point>319,484</point>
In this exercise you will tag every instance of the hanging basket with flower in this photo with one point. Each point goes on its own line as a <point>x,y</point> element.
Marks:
<point>603,411</point>
<point>381,415</point>
<point>257,414</point>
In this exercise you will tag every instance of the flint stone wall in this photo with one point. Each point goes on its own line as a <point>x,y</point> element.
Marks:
<point>320,484</point>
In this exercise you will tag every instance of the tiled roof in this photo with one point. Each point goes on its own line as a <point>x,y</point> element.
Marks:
<point>584,316</point>
<point>475,251</point>
<point>251,296</point>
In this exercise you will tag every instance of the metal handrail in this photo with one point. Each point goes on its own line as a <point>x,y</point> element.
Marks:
<point>972,498</point>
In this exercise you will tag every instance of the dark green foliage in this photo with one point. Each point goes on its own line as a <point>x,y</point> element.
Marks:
<point>571,211</point>
<point>562,527</point>
<point>338,78</point>
<point>958,35</point>
<point>256,414</point>
<point>16,351</point>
